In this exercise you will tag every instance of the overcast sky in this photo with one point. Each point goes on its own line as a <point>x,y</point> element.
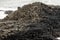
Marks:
<point>16,3</point>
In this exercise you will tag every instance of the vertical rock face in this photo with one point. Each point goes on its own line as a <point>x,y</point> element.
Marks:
<point>35,21</point>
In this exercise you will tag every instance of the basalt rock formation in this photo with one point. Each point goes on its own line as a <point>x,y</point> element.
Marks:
<point>36,21</point>
<point>8,12</point>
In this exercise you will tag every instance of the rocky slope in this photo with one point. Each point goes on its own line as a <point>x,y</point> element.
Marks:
<point>35,21</point>
<point>8,12</point>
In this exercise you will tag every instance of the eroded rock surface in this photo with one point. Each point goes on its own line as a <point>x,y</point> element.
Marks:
<point>35,21</point>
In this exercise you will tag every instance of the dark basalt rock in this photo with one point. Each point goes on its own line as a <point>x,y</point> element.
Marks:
<point>35,21</point>
<point>8,12</point>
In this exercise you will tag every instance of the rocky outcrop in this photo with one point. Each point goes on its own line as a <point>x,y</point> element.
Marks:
<point>8,12</point>
<point>35,21</point>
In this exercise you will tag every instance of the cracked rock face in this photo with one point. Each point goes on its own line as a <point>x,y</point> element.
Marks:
<point>35,21</point>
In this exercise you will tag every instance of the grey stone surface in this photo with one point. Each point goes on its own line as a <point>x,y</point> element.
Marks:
<point>35,21</point>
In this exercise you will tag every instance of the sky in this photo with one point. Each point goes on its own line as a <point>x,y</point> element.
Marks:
<point>16,3</point>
